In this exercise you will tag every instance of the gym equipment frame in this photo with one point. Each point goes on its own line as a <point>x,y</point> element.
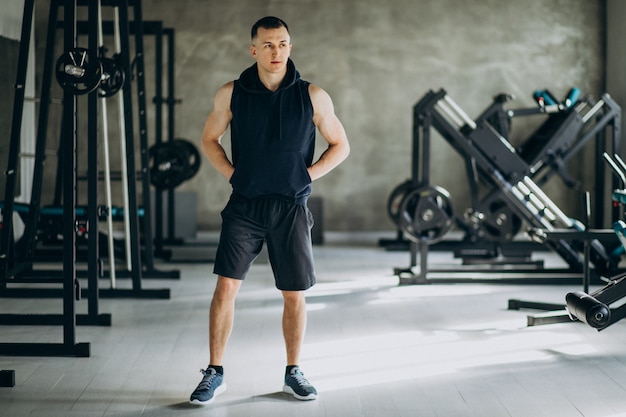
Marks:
<point>514,178</point>
<point>69,346</point>
<point>23,272</point>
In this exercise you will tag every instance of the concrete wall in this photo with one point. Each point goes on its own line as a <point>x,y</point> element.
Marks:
<point>616,53</point>
<point>10,27</point>
<point>376,59</point>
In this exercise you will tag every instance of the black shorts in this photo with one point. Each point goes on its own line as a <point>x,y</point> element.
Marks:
<point>283,225</point>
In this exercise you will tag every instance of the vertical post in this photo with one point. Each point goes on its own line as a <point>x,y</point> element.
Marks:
<point>31,224</point>
<point>600,175</point>
<point>171,103</point>
<point>587,246</point>
<point>616,125</point>
<point>133,212</point>
<point>16,131</point>
<point>92,174</point>
<point>143,137</point>
<point>69,186</point>
<point>158,132</point>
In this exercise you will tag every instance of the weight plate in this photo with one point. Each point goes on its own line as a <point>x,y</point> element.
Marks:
<point>426,214</point>
<point>193,156</point>
<point>498,222</point>
<point>78,71</point>
<point>113,77</point>
<point>168,165</point>
<point>395,198</point>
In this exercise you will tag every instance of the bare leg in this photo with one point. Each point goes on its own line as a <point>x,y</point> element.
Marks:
<point>294,324</point>
<point>222,317</point>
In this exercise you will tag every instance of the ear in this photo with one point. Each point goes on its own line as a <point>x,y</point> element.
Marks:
<point>253,51</point>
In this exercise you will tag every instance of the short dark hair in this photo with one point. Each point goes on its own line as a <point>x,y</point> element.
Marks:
<point>267,22</point>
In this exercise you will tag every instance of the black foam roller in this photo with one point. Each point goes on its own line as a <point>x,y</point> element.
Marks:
<point>587,309</point>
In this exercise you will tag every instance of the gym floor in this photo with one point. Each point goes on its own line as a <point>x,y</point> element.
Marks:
<point>373,348</point>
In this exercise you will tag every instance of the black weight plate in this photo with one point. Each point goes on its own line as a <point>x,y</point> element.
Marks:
<point>193,156</point>
<point>78,71</point>
<point>500,223</point>
<point>113,77</point>
<point>168,165</point>
<point>426,214</point>
<point>395,198</point>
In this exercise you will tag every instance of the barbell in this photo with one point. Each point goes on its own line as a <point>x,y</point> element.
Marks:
<point>79,72</point>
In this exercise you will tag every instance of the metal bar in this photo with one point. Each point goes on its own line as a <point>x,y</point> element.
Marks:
<point>93,251</point>
<point>69,186</point>
<point>468,120</point>
<point>171,121</point>
<point>592,111</point>
<point>148,259</point>
<point>123,139</point>
<point>549,203</point>
<point>30,232</point>
<point>129,162</point>
<point>615,168</point>
<point>158,134</point>
<point>107,168</point>
<point>16,131</point>
<point>448,111</point>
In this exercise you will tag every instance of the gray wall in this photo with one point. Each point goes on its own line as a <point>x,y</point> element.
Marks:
<point>10,26</point>
<point>376,59</point>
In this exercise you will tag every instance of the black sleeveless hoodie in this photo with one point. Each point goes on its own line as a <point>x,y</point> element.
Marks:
<point>272,137</point>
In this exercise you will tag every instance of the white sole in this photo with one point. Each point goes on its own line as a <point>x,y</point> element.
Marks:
<point>219,390</point>
<point>287,389</point>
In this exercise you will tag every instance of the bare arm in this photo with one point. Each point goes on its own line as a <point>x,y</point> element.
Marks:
<point>214,128</point>
<point>331,130</point>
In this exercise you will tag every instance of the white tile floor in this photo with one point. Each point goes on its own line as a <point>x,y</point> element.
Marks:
<point>373,348</point>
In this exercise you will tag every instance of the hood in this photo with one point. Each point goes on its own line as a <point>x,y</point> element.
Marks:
<point>250,82</point>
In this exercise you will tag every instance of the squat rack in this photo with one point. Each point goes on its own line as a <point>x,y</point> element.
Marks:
<point>69,346</point>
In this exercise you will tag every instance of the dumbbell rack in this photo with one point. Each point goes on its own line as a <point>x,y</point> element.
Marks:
<point>490,157</point>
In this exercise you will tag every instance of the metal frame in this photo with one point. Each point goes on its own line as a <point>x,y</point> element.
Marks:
<point>490,158</point>
<point>24,272</point>
<point>69,346</point>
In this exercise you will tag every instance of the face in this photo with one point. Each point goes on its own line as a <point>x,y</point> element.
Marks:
<point>271,48</point>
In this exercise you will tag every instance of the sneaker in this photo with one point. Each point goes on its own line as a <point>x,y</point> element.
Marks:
<point>211,386</point>
<point>297,385</point>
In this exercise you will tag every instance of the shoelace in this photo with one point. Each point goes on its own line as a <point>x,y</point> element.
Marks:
<point>206,382</point>
<point>300,378</point>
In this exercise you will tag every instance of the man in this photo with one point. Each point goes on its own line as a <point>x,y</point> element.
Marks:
<point>273,116</point>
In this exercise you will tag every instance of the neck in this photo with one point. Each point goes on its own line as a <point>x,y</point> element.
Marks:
<point>272,80</point>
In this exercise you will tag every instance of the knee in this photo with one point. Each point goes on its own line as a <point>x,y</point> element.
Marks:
<point>294,297</point>
<point>226,289</point>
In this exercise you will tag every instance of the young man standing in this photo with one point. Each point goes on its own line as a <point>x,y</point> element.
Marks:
<point>273,116</point>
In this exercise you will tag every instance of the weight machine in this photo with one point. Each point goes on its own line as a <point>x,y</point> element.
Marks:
<point>512,176</point>
<point>599,309</point>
